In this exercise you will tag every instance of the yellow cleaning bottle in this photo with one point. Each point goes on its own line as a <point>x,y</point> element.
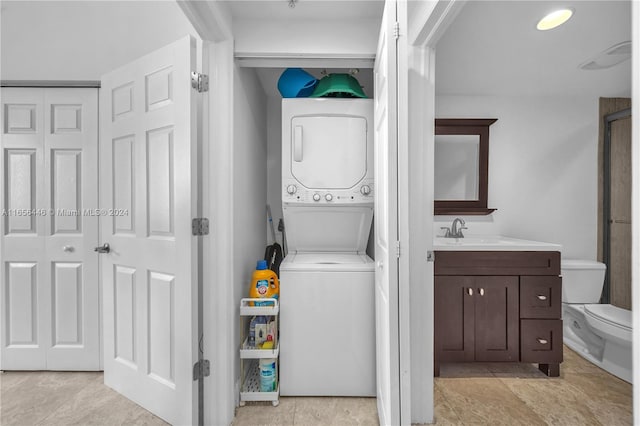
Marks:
<point>264,284</point>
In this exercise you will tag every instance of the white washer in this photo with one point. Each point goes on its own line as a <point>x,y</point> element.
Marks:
<point>327,306</point>
<point>327,325</point>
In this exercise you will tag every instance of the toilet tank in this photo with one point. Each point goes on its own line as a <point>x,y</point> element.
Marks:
<point>582,280</point>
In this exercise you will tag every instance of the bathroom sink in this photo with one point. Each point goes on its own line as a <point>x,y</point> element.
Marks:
<point>492,242</point>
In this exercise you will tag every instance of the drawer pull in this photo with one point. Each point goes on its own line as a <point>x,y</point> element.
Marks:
<point>542,297</point>
<point>542,341</point>
<point>481,291</point>
<point>470,291</point>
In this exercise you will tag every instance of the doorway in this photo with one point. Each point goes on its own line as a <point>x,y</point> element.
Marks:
<point>615,200</point>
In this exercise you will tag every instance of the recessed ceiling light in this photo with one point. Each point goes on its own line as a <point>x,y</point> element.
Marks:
<point>554,19</point>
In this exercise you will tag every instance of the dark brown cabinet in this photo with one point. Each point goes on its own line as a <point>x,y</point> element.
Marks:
<point>540,323</point>
<point>496,330</point>
<point>454,314</point>
<point>476,318</point>
<point>498,306</point>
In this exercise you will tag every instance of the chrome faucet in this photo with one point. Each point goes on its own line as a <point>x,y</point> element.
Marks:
<point>456,229</point>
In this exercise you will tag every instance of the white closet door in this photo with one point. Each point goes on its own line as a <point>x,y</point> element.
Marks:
<point>50,289</point>
<point>148,157</point>
<point>25,276</point>
<point>386,222</point>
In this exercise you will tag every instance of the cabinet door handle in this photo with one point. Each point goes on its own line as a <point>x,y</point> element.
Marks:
<point>481,291</point>
<point>542,341</point>
<point>470,291</point>
<point>542,297</point>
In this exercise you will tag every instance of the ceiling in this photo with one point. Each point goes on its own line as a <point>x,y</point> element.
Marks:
<point>493,48</point>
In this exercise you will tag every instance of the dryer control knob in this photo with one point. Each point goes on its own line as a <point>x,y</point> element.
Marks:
<point>365,190</point>
<point>328,197</point>
<point>291,189</point>
<point>316,197</point>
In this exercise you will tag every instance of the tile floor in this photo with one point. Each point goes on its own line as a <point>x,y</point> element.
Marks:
<point>54,398</point>
<point>519,394</point>
<point>480,394</point>
<point>465,394</point>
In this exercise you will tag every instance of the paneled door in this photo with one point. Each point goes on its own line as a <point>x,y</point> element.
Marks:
<point>386,222</point>
<point>148,180</point>
<point>48,228</point>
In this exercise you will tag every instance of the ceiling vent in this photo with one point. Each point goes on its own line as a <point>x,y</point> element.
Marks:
<point>611,57</point>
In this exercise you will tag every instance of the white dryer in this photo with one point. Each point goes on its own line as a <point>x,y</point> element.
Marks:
<point>327,327</point>
<point>327,151</point>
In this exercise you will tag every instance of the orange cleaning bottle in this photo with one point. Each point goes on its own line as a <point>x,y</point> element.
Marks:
<point>264,284</point>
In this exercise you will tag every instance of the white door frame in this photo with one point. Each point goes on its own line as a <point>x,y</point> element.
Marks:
<point>220,392</point>
<point>212,21</point>
<point>635,197</point>
<point>427,21</point>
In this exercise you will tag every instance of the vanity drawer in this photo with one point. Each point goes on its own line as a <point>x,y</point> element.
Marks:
<point>539,263</point>
<point>540,297</point>
<point>541,341</point>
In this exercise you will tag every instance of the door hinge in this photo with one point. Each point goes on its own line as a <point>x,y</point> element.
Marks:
<point>201,369</point>
<point>396,30</point>
<point>397,248</point>
<point>200,82</point>
<point>200,226</point>
<point>431,256</point>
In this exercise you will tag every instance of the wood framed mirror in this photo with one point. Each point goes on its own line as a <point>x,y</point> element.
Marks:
<point>461,171</point>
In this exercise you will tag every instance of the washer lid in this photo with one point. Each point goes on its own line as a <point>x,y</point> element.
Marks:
<point>610,314</point>
<point>327,229</point>
<point>343,262</point>
<point>322,258</point>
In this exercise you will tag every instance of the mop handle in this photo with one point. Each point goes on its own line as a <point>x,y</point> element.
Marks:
<point>273,231</point>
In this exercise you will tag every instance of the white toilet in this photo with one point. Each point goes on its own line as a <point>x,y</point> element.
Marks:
<point>600,333</point>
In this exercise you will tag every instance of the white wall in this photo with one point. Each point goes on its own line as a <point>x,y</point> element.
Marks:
<point>249,187</point>
<point>274,162</point>
<point>78,40</point>
<point>543,168</point>
<point>311,38</point>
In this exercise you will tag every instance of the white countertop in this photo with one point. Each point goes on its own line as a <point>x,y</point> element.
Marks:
<point>491,243</point>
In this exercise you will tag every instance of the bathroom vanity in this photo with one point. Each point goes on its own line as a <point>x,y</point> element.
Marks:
<point>498,299</point>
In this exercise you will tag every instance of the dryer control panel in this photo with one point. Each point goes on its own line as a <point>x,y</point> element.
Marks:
<point>293,192</point>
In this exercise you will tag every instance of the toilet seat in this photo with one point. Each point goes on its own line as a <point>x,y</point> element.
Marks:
<point>610,314</point>
<point>610,322</point>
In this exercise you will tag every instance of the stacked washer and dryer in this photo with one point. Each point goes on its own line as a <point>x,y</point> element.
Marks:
<point>327,320</point>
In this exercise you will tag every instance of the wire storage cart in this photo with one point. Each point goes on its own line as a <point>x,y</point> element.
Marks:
<point>251,356</point>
